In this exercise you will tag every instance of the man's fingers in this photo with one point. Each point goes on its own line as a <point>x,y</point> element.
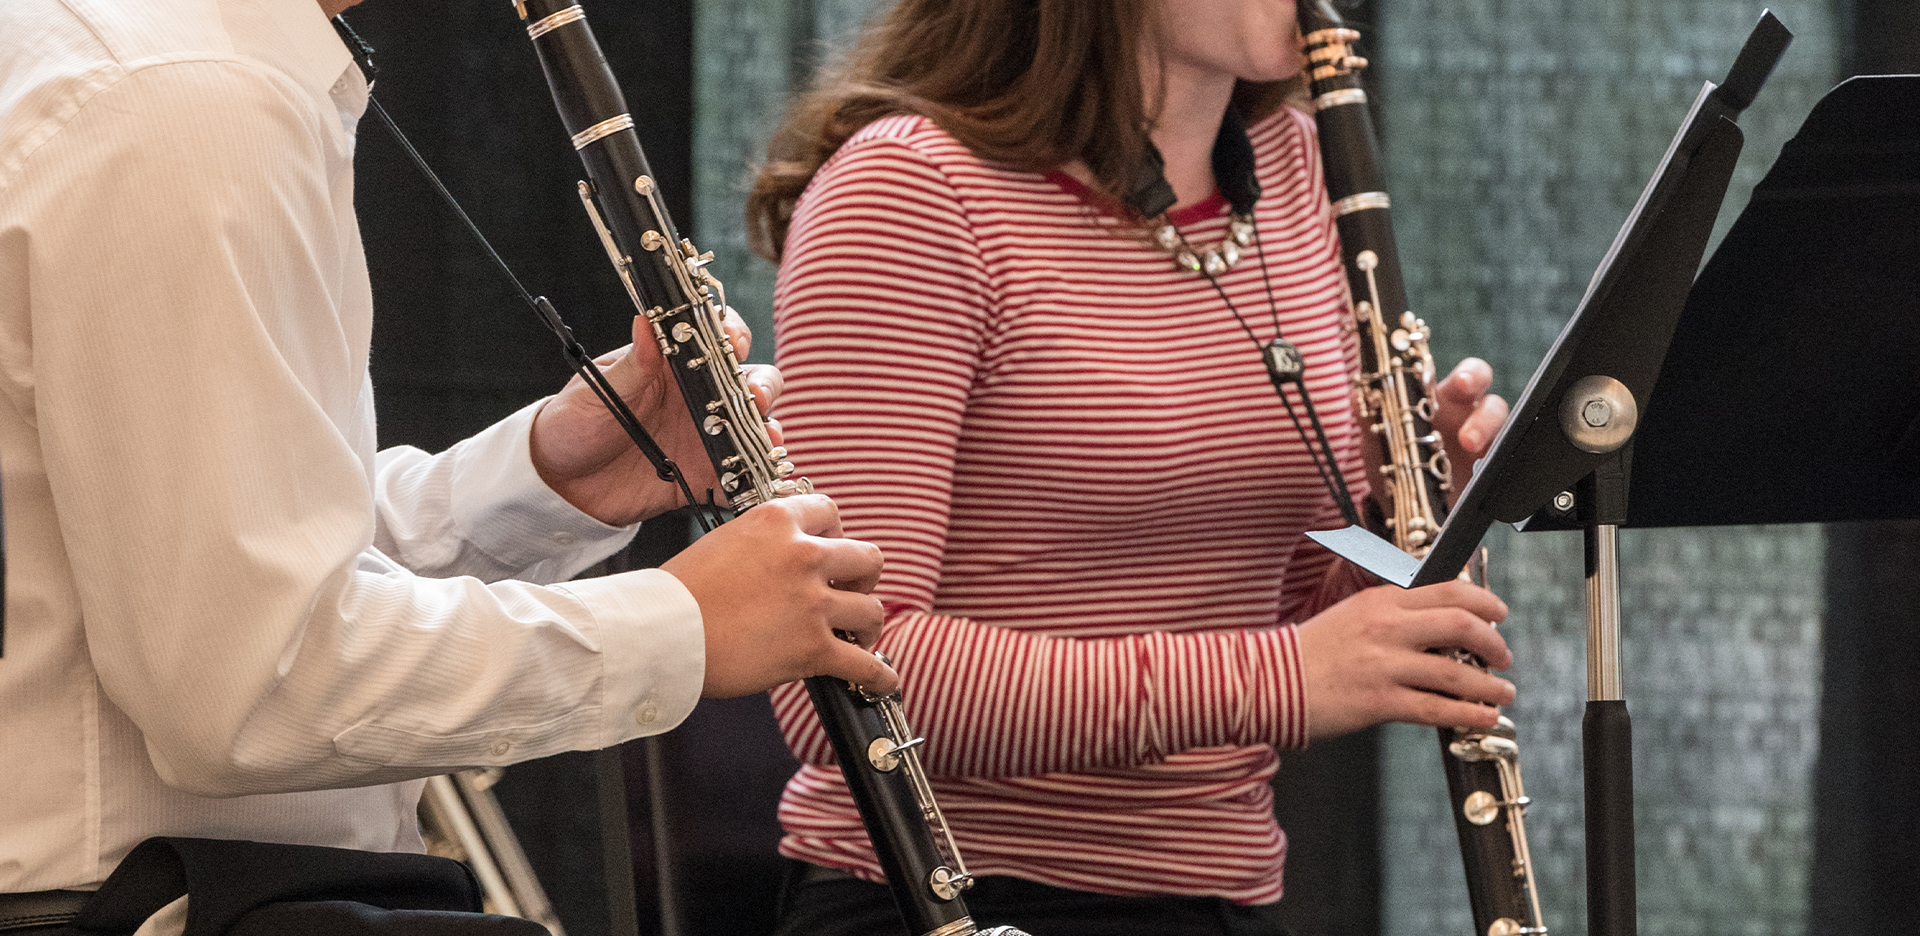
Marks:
<point>863,669</point>
<point>857,615</point>
<point>851,565</point>
<point>813,514</point>
<point>617,364</point>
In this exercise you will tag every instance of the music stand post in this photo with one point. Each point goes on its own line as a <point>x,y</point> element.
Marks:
<point>1566,451</point>
<point>1606,728</point>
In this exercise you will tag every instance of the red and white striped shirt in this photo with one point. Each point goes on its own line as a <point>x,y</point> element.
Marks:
<point>1090,500</point>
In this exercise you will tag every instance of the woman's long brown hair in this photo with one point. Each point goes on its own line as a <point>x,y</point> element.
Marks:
<point>1031,84</point>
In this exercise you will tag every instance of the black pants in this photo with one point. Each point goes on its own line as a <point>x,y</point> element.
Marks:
<point>256,889</point>
<point>819,903</point>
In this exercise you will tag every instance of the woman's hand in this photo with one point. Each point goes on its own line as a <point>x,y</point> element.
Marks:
<point>1366,659</point>
<point>585,457</point>
<point>1467,418</point>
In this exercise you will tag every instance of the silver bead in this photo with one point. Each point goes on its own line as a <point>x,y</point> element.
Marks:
<point>1240,230</point>
<point>1230,252</point>
<point>1166,237</point>
<point>1216,264</point>
<point>1185,260</point>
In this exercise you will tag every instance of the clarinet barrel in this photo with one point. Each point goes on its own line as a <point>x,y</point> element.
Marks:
<point>1394,393</point>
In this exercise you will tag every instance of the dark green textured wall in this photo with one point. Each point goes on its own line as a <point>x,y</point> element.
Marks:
<point>748,54</point>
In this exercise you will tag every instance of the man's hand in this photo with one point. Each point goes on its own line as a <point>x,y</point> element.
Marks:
<point>1467,417</point>
<point>585,457</point>
<point>1366,659</point>
<point>773,586</point>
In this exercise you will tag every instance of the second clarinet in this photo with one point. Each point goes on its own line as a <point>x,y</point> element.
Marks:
<point>667,280</point>
<point>1394,392</point>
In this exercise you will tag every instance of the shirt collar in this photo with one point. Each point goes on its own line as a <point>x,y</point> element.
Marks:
<point>307,47</point>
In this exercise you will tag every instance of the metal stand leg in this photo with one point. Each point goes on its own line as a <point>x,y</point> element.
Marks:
<point>616,849</point>
<point>1608,735</point>
<point>464,822</point>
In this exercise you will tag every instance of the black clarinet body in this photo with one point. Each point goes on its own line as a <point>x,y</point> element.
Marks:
<point>665,276</point>
<point>1394,392</point>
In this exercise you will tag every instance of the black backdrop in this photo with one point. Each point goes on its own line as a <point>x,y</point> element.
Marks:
<point>1866,835</point>
<point>453,350</point>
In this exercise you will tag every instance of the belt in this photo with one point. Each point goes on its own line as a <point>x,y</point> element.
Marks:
<point>40,908</point>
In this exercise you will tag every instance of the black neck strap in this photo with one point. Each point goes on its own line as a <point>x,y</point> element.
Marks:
<point>1233,171</point>
<point>576,355</point>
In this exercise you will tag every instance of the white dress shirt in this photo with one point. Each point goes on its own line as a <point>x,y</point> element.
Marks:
<point>226,615</point>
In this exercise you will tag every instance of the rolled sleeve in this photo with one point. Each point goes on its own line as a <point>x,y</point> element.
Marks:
<point>480,509</point>
<point>654,650</point>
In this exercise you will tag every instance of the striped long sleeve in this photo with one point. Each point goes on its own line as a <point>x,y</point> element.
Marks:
<point>1089,497</point>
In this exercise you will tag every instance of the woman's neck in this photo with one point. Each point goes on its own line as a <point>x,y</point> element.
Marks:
<point>1188,122</point>
<point>1196,101</point>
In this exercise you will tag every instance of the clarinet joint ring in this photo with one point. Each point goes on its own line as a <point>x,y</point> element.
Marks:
<point>553,21</point>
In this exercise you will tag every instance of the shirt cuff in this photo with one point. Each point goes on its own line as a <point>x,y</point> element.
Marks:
<point>513,516</point>
<point>653,647</point>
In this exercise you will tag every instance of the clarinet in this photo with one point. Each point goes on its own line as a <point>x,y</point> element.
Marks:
<point>1394,392</point>
<point>667,279</point>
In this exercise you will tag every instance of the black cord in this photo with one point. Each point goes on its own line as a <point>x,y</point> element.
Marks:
<point>1342,495</point>
<point>576,354</point>
<point>1324,462</point>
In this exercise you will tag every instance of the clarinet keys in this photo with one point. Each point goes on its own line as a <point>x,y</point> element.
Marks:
<point>947,885</point>
<point>1481,807</point>
<point>885,754</point>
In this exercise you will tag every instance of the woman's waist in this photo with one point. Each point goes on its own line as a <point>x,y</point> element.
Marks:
<point>1114,832</point>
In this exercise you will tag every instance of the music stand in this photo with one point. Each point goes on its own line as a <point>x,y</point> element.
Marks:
<point>1787,395</point>
<point>1568,447</point>
<point>1790,392</point>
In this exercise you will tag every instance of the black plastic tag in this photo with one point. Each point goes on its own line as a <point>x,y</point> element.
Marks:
<point>1284,363</point>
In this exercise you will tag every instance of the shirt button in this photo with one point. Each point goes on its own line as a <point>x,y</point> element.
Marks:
<point>564,539</point>
<point>647,715</point>
<point>500,748</point>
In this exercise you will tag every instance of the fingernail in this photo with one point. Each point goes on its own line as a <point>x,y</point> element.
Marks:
<point>1510,692</point>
